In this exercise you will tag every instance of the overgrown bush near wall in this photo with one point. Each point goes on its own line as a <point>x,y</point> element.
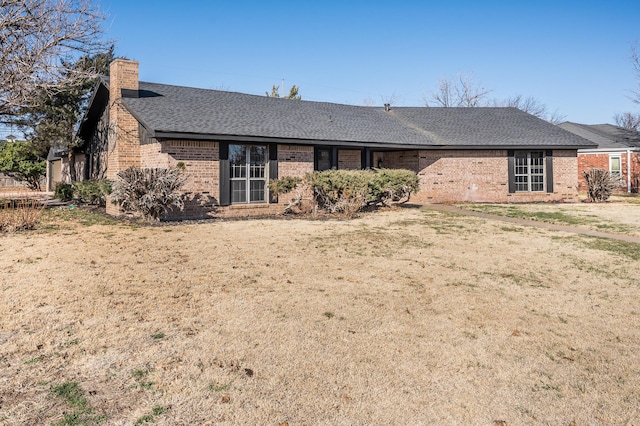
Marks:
<point>600,184</point>
<point>284,185</point>
<point>64,191</point>
<point>349,191</point>
<point>340,191</point>
<point>148,192</point>
<point>392,185</point>
<point>19,215</point>
<point>93,191</point>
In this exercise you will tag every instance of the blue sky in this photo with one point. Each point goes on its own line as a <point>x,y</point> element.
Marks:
<point>572,56</point>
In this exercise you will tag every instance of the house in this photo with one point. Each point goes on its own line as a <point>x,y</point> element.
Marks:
<point>232,144</point>
<point>58,167</point>
<point>617,151</point>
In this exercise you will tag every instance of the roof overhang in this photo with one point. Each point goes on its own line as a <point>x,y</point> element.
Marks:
<point>166,135</point>
<point>607,150</point>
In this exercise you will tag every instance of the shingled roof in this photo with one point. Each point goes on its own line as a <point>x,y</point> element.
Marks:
<point>606,136</point>
<point>168,111</point>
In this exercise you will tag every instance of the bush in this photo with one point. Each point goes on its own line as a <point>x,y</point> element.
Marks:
<point>349,191</point>
<point>93,191</point>
<point>19,215</point>
<point>64,191</point>
<point>284,185</point>
<point>149,192</point>
<point>20,160</point>
<point>340,191</point>
<point>388,185</point>
<point>600,184</point>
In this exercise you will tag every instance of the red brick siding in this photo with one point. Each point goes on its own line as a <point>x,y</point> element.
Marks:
<point>400,160</point>
<point>587,161</point>
<point>349,159</point>
<point>124,146</point>
<point>478,175</point>
<point>295,160</point>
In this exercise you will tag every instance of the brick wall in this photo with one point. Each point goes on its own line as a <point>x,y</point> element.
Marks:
<point>124,140</point>
<point>478,175</point>
<point>349,159</point>
<point>587,161</point>
<point>294,160</point>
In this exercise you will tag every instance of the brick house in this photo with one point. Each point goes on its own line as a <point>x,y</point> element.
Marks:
<point>617,151</point>
<point>232,144</point>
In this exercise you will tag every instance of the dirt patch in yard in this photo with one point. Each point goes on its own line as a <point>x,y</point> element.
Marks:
<point>399,317</point>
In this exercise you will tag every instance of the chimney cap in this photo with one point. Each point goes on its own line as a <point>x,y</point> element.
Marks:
<point>387,107</point>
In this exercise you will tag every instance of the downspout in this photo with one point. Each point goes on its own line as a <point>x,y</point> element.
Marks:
<point>628,170</point>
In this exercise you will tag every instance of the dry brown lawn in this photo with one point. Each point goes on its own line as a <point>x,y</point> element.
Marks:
<point>398,317</point>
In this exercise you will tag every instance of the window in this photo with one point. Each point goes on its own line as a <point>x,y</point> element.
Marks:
<point>529,171</point>
<point>247,164</point>
<point>323,159</point>
<point>615,167</point>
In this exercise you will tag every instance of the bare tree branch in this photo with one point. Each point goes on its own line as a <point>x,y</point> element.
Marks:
<point>531,106</point>
<point>39,39</point>
<point>628,120</point>
<point>461,91</point>
<point>635,62</point>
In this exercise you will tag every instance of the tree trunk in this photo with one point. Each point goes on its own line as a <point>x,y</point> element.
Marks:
<point>71,156</point>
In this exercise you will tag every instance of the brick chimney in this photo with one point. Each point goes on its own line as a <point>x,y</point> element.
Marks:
<point>124,140</point>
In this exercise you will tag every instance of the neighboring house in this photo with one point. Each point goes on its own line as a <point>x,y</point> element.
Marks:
<point>232,144</point>
<point>617,151</point>
<point>58,167</point>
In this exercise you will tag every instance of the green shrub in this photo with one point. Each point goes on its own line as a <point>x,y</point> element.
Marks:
<point>340,191</point>
<point>64,191</point>
<point>349,191</point>
<point>389,185</point>
<point>21,161</point>
<point>149,192</point>
<point>284,185</point>
<point>92,191</point>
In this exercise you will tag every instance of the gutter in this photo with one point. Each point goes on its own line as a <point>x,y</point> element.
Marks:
<point>161,135</point>
<point>628,171</point>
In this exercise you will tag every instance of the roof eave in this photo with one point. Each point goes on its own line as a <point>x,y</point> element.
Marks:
<point>167,135</point>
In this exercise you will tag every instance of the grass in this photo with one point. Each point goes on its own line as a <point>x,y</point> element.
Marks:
<point>54,217</point>
<point>157,410</point>
<point>590,216</point>
<point>82,413</point>
<point>398,317</point>
<point>623,249</point>
<point>219,388</point>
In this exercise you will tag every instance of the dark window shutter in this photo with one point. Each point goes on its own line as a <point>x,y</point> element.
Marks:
<point>273,169</point>
<point>225,178</point>
<point>549,165</point>
<point>334,158</point>
<point>512,172</point>
<point>365,158</point>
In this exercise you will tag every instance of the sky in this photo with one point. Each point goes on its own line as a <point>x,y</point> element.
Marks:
<point>572,56</point>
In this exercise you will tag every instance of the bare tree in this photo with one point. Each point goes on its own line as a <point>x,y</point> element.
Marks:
<point>39,39</point>
<point>628,120</point>
<point>635,62</point>
<point>531,106</point>
<point>460,91</point>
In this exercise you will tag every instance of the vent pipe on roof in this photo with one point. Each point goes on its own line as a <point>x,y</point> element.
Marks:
<point>387,107</point>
